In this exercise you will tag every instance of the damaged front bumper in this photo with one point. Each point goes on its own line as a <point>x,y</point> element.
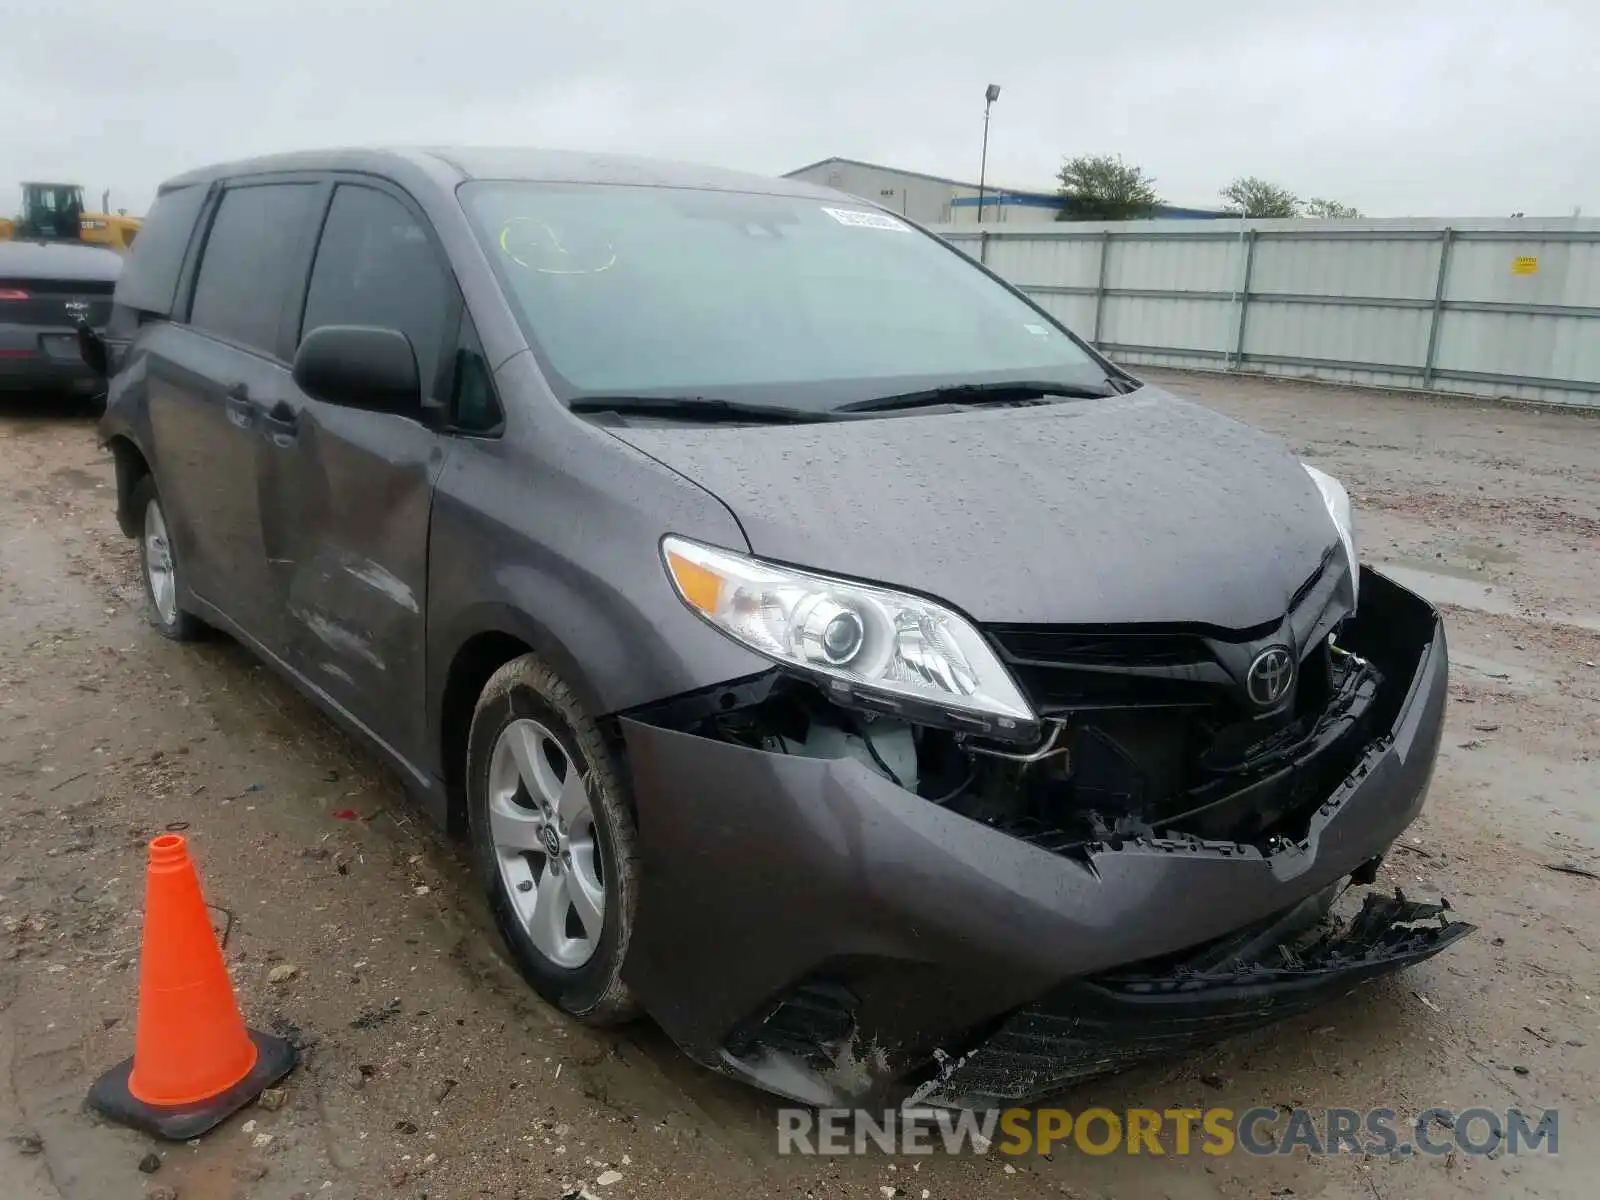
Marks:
<point>1274,969</point>
<point>810,926</point>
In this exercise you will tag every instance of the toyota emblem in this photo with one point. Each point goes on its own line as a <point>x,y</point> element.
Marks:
<point>1270,676</point>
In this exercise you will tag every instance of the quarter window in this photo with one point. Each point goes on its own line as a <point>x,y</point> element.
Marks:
<point>474,407</point>
<point>149,278</point>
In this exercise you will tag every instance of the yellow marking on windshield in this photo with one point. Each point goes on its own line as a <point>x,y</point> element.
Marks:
<point>505,237</point>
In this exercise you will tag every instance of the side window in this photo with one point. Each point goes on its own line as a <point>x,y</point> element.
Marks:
<point>474,406</point>
<point>249,262</point>
<point>374,266</point>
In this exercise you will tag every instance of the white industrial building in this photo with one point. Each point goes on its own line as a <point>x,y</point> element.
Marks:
<point>935,200</point>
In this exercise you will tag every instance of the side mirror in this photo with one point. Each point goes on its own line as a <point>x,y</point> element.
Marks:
<point>359,366</point>
<point>92,349</point>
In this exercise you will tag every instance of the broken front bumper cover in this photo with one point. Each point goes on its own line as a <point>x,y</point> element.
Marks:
<point>808,926</point>
<point>1095,1026</point>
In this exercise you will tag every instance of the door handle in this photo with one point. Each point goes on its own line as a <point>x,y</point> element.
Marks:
<point>282,420</point>
<point>242,411</point>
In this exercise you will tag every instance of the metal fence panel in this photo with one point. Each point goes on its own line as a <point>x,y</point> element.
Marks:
<point>1180,325</point>
<point>1502,308</point>
<point>1075,312</point>
<point>1345,268</point>
<point>1352,334</point>
<point>1174,266</point>
<point>1045,262</point>
<point>1530,345</point>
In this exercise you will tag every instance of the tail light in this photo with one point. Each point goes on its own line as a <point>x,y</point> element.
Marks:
<point>12,294</point>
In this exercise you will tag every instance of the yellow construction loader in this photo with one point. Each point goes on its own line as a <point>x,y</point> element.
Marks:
<point>54,212</point>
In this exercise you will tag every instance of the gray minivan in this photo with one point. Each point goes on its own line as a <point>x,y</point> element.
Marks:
<point>822,649</point>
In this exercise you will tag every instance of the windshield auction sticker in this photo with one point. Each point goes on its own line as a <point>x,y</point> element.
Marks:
<point>867,220</point>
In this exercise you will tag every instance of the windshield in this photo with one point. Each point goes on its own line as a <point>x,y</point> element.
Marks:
<point>811,304</point>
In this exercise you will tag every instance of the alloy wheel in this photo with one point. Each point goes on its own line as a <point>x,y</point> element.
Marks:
<point>161,573</point>
<point>542,828</point>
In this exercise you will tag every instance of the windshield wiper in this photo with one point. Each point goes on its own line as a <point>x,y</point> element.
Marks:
<point>699,408</point>
<point>978,393</point>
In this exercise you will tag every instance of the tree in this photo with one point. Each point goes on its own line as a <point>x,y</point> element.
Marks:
<point>1248,196</point>
<point>1332,210</point>
<point>1101,187</point>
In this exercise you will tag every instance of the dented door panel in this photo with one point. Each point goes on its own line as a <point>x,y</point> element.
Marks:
<point>347,497</point>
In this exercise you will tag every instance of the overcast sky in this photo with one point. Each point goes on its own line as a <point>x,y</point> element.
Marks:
<point>1401,107</point>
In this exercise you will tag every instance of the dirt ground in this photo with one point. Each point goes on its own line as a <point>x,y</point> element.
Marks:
<point>429,1070</point>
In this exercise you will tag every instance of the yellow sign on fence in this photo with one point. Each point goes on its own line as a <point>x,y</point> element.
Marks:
<point>1525,264</point>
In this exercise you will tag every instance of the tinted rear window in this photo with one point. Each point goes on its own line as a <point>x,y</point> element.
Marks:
<point>150,278</point>
<point>251,261</point>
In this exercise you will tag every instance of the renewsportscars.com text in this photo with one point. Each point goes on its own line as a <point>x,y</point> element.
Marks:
<point>1176,1131</point>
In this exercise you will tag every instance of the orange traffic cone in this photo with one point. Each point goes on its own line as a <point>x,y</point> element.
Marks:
<point>194,1063</point>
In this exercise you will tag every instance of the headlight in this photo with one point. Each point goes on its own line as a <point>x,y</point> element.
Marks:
<point>1338,502</point>
<point>852,635</point>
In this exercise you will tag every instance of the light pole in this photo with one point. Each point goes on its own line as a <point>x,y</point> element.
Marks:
<point>990,95</point>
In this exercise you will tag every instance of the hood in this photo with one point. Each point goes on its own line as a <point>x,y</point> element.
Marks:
<point>1137,508</point>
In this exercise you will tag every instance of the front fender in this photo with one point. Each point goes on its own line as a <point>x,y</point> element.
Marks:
<point>583,584</point>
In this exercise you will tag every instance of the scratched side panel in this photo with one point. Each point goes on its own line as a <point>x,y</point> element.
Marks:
<point>346,524</point>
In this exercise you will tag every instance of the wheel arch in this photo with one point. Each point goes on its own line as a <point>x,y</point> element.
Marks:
<point>497,635</point>
<point>131,466</point>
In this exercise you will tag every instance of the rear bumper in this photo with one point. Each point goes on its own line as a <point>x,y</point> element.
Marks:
<point>44,358</point>
<point>780,890</point>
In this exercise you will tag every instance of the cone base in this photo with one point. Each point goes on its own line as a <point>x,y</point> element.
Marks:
<point>110,1097</point>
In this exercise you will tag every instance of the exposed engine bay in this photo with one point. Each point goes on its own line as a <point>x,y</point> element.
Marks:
<point>1100,772</point>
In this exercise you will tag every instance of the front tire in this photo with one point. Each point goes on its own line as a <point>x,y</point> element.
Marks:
<point>553,839</point>
<point>158,565</point>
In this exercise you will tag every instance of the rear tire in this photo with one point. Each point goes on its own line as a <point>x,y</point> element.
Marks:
<point>553,839</point>
<point>159,567</point>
